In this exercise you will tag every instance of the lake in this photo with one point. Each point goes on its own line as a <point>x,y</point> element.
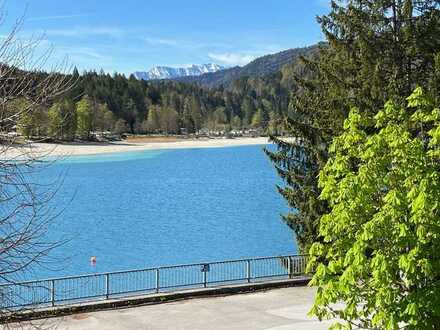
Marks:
<point>152,208</point>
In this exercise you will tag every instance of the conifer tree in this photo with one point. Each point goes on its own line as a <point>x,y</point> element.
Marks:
<point>375,51</point>
<point>247,109</point>
<point>187,117</point>
<point>196,113</point>
<point>131,112</point>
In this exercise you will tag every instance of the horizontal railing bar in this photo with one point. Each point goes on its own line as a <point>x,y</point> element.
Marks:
<point>269,276</point>
<point>91,287</point>
<point>181,285</point>
<point>145,270</point>
<point>226,281</point>
<point>130,291</point>
<point>229,261</point>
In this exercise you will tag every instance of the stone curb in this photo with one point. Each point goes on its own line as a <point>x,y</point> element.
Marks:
<point>127,302</point>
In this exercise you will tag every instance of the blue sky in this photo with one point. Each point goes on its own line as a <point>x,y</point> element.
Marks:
<point>134,35</point>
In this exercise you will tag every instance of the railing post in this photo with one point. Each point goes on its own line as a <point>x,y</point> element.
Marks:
<point>289,266</point>
<point>107,285</point>
<point>205,279</point>
<point>248,270</point>
<point>52,293</point>
<point>157,281</point>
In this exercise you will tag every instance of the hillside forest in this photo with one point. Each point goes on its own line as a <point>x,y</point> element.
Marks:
<point>101,104</point>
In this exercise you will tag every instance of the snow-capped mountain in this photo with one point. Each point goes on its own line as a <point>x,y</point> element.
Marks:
<point>165,72</point>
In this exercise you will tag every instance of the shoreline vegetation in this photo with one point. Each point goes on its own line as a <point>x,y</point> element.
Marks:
<point>133,143</point>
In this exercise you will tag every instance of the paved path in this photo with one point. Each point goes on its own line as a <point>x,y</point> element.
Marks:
<point>278,309</point>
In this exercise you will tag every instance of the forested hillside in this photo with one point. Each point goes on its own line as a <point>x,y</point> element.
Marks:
<point>259,67</point>
<point>113,103</point>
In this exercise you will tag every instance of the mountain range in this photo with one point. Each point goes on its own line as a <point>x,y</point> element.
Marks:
<point>262,66</point>
<point>165,72</point>
<point>213,75</point>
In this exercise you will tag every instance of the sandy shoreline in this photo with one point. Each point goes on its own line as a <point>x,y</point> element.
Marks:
<point>76,149</point>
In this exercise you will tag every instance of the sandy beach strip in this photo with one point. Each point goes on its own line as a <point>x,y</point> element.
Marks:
<point>84,148</point>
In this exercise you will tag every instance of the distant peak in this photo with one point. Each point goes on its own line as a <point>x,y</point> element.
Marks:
<point>166,72</point>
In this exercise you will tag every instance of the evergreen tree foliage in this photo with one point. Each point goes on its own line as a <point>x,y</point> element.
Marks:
<point>130,100</point>
<point>187,119</point>
<point>376,50</point>
<point>247,109</point>
<point>196,113</point>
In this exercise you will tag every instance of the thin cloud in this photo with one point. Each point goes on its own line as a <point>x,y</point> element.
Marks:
<point>161,42</point>
<point>57,17</point>
<point>232,58</point>
<point>83,52</point>
<point>86,32</point>
<point>182,43</point>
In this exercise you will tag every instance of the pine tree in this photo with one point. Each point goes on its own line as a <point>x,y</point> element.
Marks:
<point>130,112</point>
<point>219,118</point>
<point>247,109</point>
<point>187,117</point>
<point>196,113</point>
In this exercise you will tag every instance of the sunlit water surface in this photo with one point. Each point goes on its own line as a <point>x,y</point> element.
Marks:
<point>144,209</point>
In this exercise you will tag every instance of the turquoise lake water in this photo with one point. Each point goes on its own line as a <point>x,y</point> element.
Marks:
<point>152,208</point>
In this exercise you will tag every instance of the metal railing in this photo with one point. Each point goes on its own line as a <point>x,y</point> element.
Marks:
<point>86,288</point>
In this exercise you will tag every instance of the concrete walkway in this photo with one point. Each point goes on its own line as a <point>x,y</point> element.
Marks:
<point>277,309</point>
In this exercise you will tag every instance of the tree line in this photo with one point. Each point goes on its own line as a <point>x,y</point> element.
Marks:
<point>114,103</point>
<point>64,119</point>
